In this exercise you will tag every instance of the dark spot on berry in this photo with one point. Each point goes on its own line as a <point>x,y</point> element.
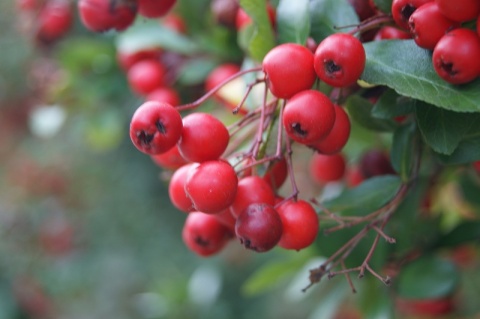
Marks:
<point>144,139</point>
<point>407,11</point>
<point>331,67</point>
<point>160,127</point>
<point>298,129</point>
<point>448,67</point>
<point>201,242</point>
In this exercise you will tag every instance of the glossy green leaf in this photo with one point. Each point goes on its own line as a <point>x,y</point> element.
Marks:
<point>262,39</point>
<point>401,154</point>
<point>442,129</point>
<point>428,277</point>
<point>293,21</point>
<point>406,68</point>
<point>468,231</point>
<point>360,109</point>
<point>331,16</point>
<point>391,104</point>
<point>367,197</point>
<point>384,5</point>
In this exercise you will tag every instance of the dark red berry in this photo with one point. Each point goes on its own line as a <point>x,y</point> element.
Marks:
<point>403,9</point>
<point>54,21</point>
<point>155,8</point>
<point>104,15</point>
<point>251,189</point>
<point>374,163</point>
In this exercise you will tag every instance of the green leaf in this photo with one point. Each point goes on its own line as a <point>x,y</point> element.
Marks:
<point>195,71</point>
<point>401,154</point>
<point>467,151</point>
<point>470,186</point>
<point>367,197</point>
<point>293,21</point>
<point>391,104</point>
<point>465,232</point>
<point>443,129</point>
<point>262,39</point>
<point>384,5</point>
<point>330,16</point>
<point>428,277</point>
<point>406,68</point>
<point>360,109</point>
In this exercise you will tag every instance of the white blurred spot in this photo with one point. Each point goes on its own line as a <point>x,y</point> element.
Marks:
<point>204,286</point>
<point>151,305</point>
<point>45,121</point>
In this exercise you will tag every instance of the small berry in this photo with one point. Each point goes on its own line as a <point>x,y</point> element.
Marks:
<point>389,33</point>
<point>176,189</point>
<point>165,95</point>
<point>251,189</point>
<point>327,168</point>
<point>127,59</point>
<point>374,163</point>
<point>146,76</point>
<point>104,15</point>
<point>403,9</point>
<point>225,12</point>
<point>155,8</point>
<point>459,10</point>
<point>54,21</point>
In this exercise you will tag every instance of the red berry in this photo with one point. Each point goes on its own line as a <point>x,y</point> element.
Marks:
<point>146,76</point>
<point>403,9</point>
<point>374,163</point>
<point>388,32</point>
<point>287,62</point>
<point>127,59</point>
<point>165,95</point>
<point>308,116</point>
<point>300,224</point>
<point>353,176</point>
<point>155,127</point>
<point>476,166</point>
<point>211,186</point>
<point>456,56</point>
<point>339,60</point>
<point>338,136</point>
<point>204,138</point>
<point>226,218</point>
<point>225,12</point>
<point>327,168</point>
<point>175,22</point>
<point>54,21</point>
<point>259,227</point>
<point>363,8</point>
<point>204,234</point>
<point>428,25</point>
<point>171,159</point>
<point>104,15</point>
<point>243,19</point>
<point>251,189</point>
<point>276,173</point>
<point>459,10</point>
<point>155,8</point>
<point>176,189</point>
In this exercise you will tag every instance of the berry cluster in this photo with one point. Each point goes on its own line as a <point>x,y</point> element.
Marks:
<point>440,25</point>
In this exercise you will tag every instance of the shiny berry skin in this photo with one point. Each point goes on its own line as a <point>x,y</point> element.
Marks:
<point>204,137</point>
<point>171,159</point>
<point>403,9</point>
<point>389,33</point>
<point>204,234</point>
<point>456,56</point>
<point>211,186</point>
<point>338,136</point>
<point>289,70</point>
<point>165,95</point>
<point>300,224</point>
<point>374,163</point>
<point>146,76</point>
<point>127,59</point>
<point>308,116</point>
<point>54,21</point>
<point>428,25</point>
<point>155,127</point>
<point>104,15</point>
<point>176,189</point>
<point>459,10</point>
<point>339,60</point>
<point>327,168</point>
<point>155,8</point>
<point>251,189</point>
<point>259,227</point>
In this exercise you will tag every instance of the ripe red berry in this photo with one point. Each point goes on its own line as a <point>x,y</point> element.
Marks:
<point>459,10</point>
<point>375,162</point>
<point>104,15</point>
<point>171,159</point>
<point>204,234</point>
<point>428,25</point>
<point>286,62</point>
<point>155,8</point>
<point>259,227</point>
<point>127,59</point>
<point>155,127</point>
<point>456,56</point>
<point>389,32</point>
<point>308,116</point>
<point>226,218</point>
<point>174,22</point>
<point>327,168</point>
<point>204,137</point>
<point>176,189</point>
<point>211,186</point>
<point>338,136</point>
<point>146,76</point>
<point>251,189</point>
<point>403,9</point>
<point>353,176</point>
<point>300,224</point>
<point>165,95</point>
<point>54,21</point>
<point>339,60</point>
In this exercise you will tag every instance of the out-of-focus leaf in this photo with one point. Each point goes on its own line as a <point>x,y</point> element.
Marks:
<point>466,152</point>
<point>465,232</point>
<point>195,71</point>
<point>384,5</point>
<point>293,21</point>
<point>391,104</point>
<point>331,16</point>
<point>401,154</point>
<point>360,110</point>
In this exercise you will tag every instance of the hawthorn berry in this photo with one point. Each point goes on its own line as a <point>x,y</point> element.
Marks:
<point>174,22</point>
<point>251,189</point>
<point>259,227</point>
<point>459,10</point>
<point>155,8</point>
<point>286,62</point>
<point>171,159</point>
<point>204,234</point>
<point>389,32</point>
<point>54,21</point>
<point>403,9</point>
<point>146,76</point>
<point>164,94</point>
<point>337,138</point>
<point>339,60</point>
<point>225,12</point>
<point>176,189</point>
<point>300,224</point>
<point>428,25</point>
<point>308,116</point>
<point>226,218</point>
<point>327,168</point>
<point>374,163</point>
<point>456,56</point>
<point>127,59</point>
<point>211,186</point>
<point>363,9</point>
<point>155,127</point>
<point>104,15</point>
